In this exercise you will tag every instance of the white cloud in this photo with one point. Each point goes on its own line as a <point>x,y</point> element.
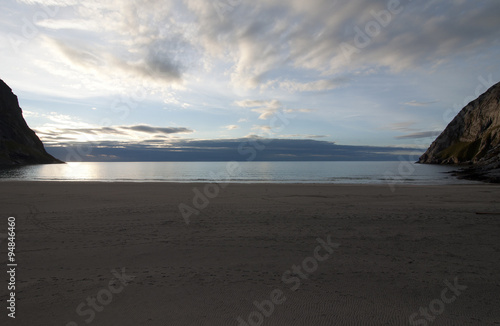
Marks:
<point>271,104</point>
<point>294,86</point>
<point>417,103</point>
<point>266,109</point>
<point>231,127</point>
<point>64,119</point>
<point>74,24</point>
<point>58,3</point>
<point>264,128</point>
<point>29,114</point>
<point>298,110</point>
<point>265,113</point>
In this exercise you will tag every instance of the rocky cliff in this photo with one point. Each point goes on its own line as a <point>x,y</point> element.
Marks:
<point>18,143</point>
<point>473,137</point>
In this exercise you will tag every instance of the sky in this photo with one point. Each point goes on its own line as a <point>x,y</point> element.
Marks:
<point>227,79</point>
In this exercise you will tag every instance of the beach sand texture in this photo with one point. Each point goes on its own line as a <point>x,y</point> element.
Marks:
<point>419,255</point>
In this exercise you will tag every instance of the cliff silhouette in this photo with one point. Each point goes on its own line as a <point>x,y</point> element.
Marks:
<point>19,145</point>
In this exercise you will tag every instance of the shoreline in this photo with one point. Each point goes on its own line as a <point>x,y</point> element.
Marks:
<point>467,182</point>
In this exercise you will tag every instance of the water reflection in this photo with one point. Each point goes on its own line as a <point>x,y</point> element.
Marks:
<point>69,171</point>
<point>12,172</point>
<point>75,171</point>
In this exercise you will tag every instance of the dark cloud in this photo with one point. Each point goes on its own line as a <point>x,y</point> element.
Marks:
<point>160,132</point>
<point>417,135</point>
<point>244,149</point>
<point>156,66</point>
<point>155,130</point>
<point>93,131</point>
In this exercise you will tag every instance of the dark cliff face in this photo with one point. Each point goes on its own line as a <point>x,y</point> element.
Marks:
<point>473,137</point>
<point>18,143</point>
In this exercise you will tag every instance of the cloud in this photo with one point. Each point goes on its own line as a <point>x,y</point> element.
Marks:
<point>417,135</point>
<point>263,128</point>
<point>265,113</point>
<point>238,149</point>
<point>28,114</point>
<point>416,103</point>
<point>213,53</point>
<point>115,45</point>
<point>304,136</point>
<point>264,37</point>
<point>266,109</point>
<point>53,134</point>
<point>293,86</point>
<point>78,55</point>
<point>156,130</point>
<point>152,64</point>
<point>231,127</point>
<point>309,37</point>
<point>298,110</point>
<point>253,42</point>
<point>401,126</point>
<point>59,3</point>
<point>271,104</point>
<point>80,131</point>
<point>74,24</point>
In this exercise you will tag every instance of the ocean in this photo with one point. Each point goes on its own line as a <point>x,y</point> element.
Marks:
<point>239,172</point>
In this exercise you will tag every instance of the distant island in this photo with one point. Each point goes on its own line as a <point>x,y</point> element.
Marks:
<point>472,138</point>
<point>19,145</point>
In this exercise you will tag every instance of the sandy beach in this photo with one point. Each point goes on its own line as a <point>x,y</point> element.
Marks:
<point>262,254</point>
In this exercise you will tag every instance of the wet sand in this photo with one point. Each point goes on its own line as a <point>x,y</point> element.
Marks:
<point>262,254</point>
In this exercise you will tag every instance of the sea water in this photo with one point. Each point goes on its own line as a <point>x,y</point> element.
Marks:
<point>239,172</point>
